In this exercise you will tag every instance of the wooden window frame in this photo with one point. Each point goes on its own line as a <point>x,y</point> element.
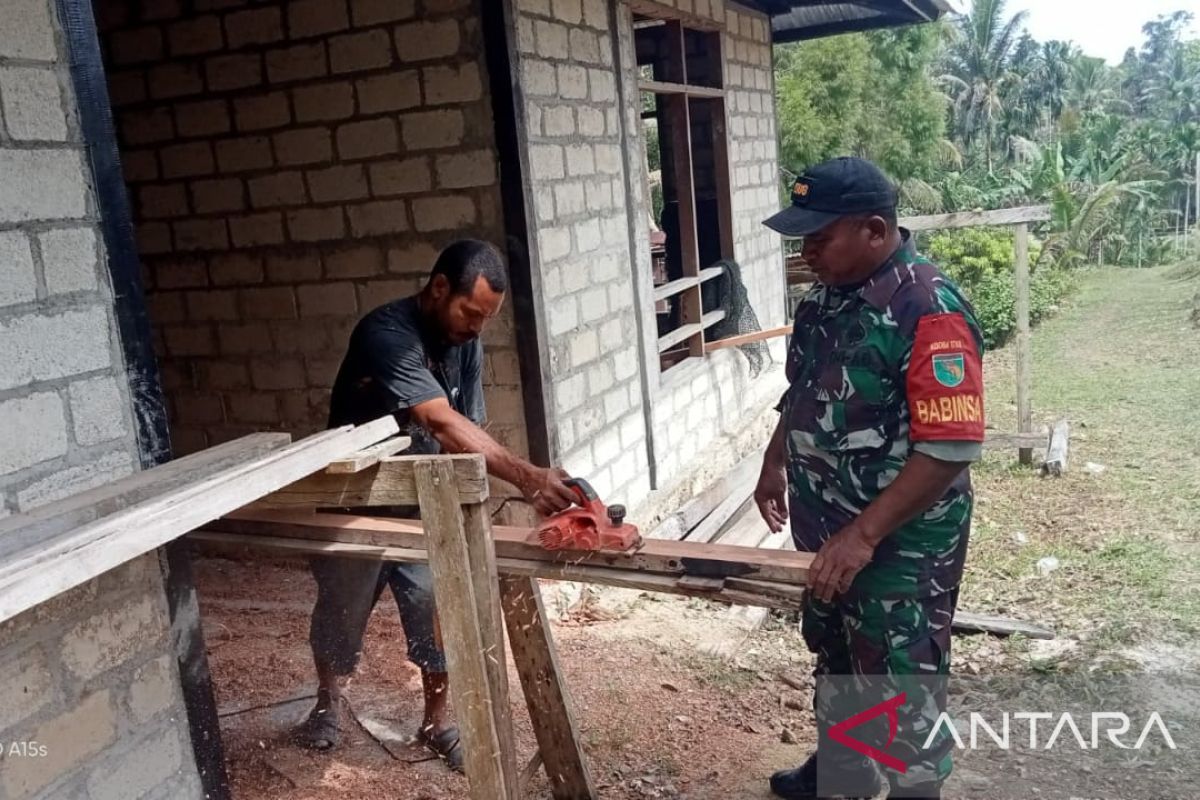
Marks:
<point>676,97</point>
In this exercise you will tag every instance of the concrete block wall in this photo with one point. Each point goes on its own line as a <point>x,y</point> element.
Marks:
<point>90,682</point>
<point>602,385</point>
<point>88,676</point>
<point>576,167</point>
<point>697,402</point>
<point>292,165</point>
<point>754,159</point>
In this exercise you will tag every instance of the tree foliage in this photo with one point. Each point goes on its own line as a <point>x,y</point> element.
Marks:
<point>973,112</point>
<point>830,92</point>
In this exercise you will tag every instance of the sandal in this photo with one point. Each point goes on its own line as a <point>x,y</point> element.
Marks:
<point>447,745</point>
<point>319,732</point>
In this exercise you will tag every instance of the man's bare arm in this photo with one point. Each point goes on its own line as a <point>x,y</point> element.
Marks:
<point>771,491</point>
<point>541,486</point>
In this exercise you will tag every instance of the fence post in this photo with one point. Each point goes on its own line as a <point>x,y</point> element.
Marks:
<point>1024,357</point>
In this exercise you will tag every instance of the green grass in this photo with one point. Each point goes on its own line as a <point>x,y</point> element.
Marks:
<point>1122,363</point>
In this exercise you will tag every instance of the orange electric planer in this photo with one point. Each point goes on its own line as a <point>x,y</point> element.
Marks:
<point>591,525</point>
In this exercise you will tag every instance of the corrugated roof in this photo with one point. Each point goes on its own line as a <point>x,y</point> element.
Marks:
<point>794,20</point>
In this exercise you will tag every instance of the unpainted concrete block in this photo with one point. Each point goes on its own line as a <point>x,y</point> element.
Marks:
<point>37,431</point>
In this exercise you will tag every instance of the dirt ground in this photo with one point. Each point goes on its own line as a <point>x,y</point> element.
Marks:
<point>658,719</point>
<point>1106,555</point>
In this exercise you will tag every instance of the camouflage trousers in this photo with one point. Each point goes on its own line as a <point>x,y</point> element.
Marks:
<point>869,650</point>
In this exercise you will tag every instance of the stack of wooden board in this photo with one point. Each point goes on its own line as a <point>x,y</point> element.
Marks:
<point>705,517</point>
<point>741,575</point>
<point>57,547</point>
<point>725,514</point>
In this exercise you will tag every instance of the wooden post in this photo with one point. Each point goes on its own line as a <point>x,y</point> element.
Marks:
<point>485,579</point>
<point>680,120</point>
<point>467,634</point>
<point>549,704</point>
<point>1187,214</point>
<point>1197,183</point>
<point>1024,357</point>
<point>1058,451</point>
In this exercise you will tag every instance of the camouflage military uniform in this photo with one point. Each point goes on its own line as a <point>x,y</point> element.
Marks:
<point>853,413</point>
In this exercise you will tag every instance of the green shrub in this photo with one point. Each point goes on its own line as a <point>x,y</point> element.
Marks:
<point>980,261</point>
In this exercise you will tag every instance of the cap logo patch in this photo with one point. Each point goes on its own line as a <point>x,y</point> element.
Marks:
<point>800,192</point>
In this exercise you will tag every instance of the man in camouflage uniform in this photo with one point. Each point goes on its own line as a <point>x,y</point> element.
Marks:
<point>882,419</point>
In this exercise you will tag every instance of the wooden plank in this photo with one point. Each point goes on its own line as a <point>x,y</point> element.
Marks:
<point>369,457</point>
<point>739,622</point>
<point>966,622</point>
<point>739,493</point>
<point>664,557</point>
<point>1013,441</point>
<point>678,117</point>
<point>747,338</point>
<point>1024,355</point>
<point>643,581</point>
<point>54,519</point>
<point>676,525</point>
<point>38,573</point>
<point>783,592</point>
<point>712,318</point>
<point>485,578</point>
<point>672,288</point>
<point>970,219</point>
<point>550,707</point>
<point>685,90</point>
<point>658,11</point>
<point>492,772</point>
<point>722,171</point>
<point>772,595</point>
<point>388,483</point>
<point>678,335</point>
<point>746,529</point>
<point>1057,452</point>
<point>706,584</point>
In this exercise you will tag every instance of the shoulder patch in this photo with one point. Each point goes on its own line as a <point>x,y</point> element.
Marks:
<point>945,381</point>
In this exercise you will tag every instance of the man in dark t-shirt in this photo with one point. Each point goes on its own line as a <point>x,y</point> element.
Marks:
<point>420,359</point>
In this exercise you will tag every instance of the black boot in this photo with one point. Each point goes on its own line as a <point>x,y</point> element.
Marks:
<point>801,783</point>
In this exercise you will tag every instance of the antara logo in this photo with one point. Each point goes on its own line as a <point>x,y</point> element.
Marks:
<point>1117,725</point>
<point>838,732</point>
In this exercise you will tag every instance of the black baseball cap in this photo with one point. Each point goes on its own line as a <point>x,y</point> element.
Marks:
<point>833,189</point>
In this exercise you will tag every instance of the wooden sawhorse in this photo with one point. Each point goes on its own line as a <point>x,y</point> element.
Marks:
<point>473,603</point>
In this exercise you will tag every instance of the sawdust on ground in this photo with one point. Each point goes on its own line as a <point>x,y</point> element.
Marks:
<point>657,718</point>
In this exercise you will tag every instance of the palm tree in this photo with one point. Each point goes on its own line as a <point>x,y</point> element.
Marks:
<point>1175,88</point>
<point>1054,75</point>
<point>1092,85</point>
<point>979,73</point>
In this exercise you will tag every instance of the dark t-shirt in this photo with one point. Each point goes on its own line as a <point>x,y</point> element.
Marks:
<point>393,364</point>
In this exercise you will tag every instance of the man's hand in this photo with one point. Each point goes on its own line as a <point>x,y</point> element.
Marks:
<point>547,492</point>
<point>771,496</point>
<point>543,488</point>
<point>841,558</point>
